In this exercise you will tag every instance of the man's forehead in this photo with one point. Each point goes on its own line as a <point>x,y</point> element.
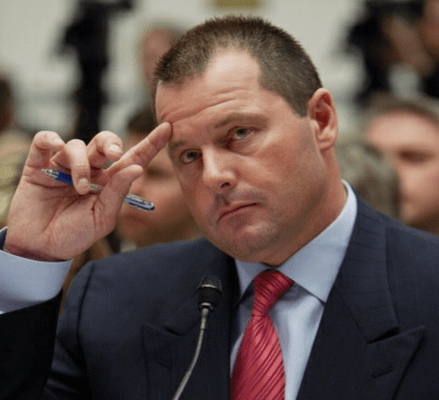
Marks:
<point>163,98</point>
<point>240,63</point>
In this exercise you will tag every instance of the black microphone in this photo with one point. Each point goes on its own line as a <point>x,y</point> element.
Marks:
<point>209,295</point>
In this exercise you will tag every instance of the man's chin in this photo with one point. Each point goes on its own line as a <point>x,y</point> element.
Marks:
<point>245,244</point>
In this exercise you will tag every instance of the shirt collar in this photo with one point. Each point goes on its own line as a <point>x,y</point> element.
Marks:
<point>316,265</point>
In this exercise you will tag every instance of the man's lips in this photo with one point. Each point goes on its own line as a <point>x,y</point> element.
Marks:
<point>225,211</point>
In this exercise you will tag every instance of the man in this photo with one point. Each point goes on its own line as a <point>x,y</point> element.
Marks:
<point>155,42</point>
<point>369,173</point>
<point>407,132</point>
<point>14,146</point>
<point>251,135</point>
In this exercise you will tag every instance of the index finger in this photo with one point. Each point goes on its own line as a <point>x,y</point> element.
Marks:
<point>146,150</point>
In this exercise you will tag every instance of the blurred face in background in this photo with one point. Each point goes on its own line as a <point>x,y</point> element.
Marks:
<point>429,27</point>
<point>154,45</point>
<point>411,141</point>
<point>171,219</point>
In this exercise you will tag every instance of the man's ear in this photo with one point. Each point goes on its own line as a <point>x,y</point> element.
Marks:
<point>323,118</point>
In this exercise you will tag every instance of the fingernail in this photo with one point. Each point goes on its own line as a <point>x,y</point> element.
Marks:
<point>58,141</point>
<point>114,148</point>
<point>83,184</point>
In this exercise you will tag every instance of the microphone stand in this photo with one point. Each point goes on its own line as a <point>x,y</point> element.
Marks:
<point>205,312</point>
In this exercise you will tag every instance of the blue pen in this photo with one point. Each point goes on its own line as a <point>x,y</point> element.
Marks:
<point>130,199</point>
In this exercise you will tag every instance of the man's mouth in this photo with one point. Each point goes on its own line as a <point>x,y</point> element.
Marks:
<point>229,210</point>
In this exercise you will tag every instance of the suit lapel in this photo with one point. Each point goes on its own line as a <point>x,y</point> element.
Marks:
<point>359,352</point>
<point>169,351</point>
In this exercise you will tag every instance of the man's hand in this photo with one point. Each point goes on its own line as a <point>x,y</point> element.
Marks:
<point>49,220</point>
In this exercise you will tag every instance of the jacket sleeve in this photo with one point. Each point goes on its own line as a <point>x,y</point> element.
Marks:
<point>27,338</point>
<point>68,377</point>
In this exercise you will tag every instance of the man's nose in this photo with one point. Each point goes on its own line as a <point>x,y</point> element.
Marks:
<point>219,173</point>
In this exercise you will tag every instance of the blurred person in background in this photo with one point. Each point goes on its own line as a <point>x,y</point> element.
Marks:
<point>155,41</point>
<point>171,219</point>
<point>87,35</point>
<point>392,34</point>
<point>369,173</point>
<point>407,132</point>
<point>14,146</point>
<point>429,34</point>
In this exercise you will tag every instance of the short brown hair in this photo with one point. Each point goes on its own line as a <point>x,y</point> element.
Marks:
<point>285,67</point>
<point>384,104</point>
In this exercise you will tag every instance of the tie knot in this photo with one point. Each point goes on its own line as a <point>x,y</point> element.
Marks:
<point>269,285</point>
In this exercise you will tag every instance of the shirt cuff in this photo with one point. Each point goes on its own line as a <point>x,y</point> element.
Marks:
<point>25,282</point>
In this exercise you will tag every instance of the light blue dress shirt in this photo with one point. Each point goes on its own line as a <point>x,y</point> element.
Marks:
<point>25,282</point>
<point>296,316</point>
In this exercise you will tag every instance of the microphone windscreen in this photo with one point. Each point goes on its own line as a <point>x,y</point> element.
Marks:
<point>209,292</point>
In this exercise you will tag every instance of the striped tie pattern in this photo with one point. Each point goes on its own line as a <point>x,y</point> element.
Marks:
<point>258,373</point>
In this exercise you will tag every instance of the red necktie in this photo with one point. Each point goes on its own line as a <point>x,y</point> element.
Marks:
<point>259,371</point>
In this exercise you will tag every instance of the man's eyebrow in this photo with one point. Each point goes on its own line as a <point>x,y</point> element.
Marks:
<point>236,117</point>
<point>172,146</point>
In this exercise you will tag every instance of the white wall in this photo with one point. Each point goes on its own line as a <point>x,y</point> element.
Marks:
<point>30,31</point>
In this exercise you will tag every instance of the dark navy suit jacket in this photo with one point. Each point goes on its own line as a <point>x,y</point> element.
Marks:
<point>130,323</point>
<point>26,346</point>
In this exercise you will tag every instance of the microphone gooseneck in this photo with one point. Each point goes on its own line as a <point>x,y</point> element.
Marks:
<point>209,295</point>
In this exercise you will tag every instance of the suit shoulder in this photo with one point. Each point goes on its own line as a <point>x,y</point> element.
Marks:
<point>398,234</point>
<point>165,252</point>
<point>404,237</point>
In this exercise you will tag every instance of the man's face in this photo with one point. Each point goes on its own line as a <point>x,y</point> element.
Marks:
<point>171,220</point>
<point>412,143</point>
<point>251,168</point>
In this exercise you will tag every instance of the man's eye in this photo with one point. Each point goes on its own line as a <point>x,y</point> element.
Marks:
<point>414,157</point>
<point>189,156</point>
<point>241,133</point>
